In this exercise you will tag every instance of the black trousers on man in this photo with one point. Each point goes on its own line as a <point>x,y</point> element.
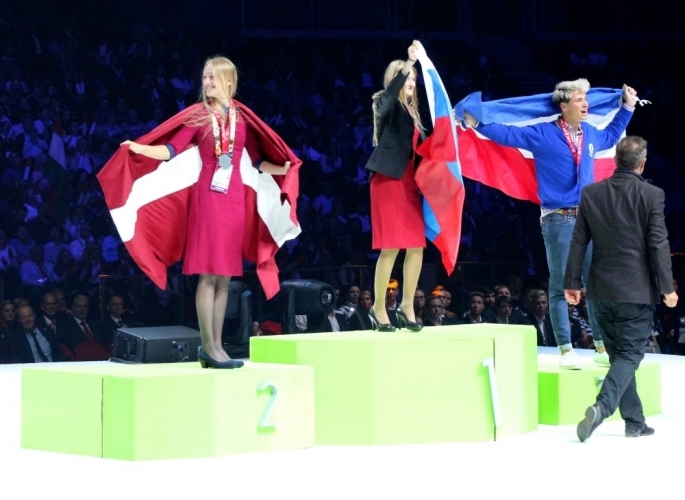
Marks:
<point>625,330</point>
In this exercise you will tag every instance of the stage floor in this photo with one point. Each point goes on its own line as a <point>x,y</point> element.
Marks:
<point>549,464</point>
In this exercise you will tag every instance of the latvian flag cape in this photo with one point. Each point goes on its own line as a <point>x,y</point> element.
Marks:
<point>439,173</point>
<point>149,200</point>
<point>512,170</point>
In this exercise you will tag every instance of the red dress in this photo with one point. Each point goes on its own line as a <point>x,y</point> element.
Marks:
<point>396,215</point>
<point>216,221</point>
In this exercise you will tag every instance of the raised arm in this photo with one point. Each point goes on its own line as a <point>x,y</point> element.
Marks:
<point>611,134</point>
<point>155,152</point>
<point>389,96</point>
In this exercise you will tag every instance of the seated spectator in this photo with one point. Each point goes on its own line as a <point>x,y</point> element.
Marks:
<point>35,272</point>
<point>114,320</point>
<point>434,314</point>
<point>29,344</point>
<point>391,304</point>
<point>8,315</point>
<point>579,336</point>
<point>78,246</point>
<point>85,338</point>
<point>22,243</point>
<point>541,319</point>
<point>419,304</point>
<point>52,248</point>
<point>8,255</point>
<point>335,321</point>
<point>515,316</point>
<point>351,301</point>
<point>503,308</point>
<point>476,307</point>
<point>361,319</point>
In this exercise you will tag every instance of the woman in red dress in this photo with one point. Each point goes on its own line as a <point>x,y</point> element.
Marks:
<point>396,216</point>
<point>216,221</point>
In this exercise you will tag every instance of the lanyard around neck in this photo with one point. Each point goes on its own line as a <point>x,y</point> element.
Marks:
<point>223,141</point>
<point>576,145</point>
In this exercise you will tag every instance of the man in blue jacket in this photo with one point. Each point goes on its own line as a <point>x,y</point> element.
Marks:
<point>564,163</point>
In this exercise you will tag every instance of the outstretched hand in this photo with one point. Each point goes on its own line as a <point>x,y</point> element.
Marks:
<point>629,96</point>
<point>134,147</point>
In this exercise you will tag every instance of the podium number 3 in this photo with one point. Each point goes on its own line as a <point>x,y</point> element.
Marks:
<point>264,420</point>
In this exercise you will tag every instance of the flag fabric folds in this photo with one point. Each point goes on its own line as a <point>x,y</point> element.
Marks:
<point>512,170</point>
<point>149,199</point>
<point>439,173</point>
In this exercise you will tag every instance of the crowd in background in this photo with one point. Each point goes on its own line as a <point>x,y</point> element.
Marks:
<point>69,97</point>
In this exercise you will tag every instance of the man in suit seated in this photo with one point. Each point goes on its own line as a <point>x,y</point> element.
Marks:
<point>335,321</point>
<point>541,320</point>
<point>114,319</point>
<point>30,344</point>
<point>476,308</point>
<point>84,338</point>
<point>434,313</point>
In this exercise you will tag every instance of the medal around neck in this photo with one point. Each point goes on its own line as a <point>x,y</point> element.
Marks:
<point>224,161</point>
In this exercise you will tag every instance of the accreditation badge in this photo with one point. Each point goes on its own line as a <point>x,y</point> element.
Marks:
<point>222,176</point>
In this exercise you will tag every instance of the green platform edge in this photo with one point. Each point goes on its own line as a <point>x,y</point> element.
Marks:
<point>344,400</point>
<point>565,394</point>
<point>119,411</point>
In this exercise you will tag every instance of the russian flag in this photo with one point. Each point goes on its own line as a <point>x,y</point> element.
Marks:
<point>149,200</point>
<point>512,170</point>
<point>439,173</point>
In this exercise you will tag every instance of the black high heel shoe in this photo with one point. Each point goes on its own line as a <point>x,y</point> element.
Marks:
<point>206,361</point>
<point>381,327</point>
<point>405,323</point>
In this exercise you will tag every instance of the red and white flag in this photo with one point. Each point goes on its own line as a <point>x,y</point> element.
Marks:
<point>149,199</point>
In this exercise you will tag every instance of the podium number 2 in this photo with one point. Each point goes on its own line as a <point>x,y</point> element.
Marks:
<point>264,420</point>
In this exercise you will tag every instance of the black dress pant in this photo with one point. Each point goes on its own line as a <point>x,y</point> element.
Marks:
<point>625,330</point>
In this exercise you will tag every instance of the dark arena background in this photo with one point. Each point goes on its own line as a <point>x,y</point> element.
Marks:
<point>84,76</point>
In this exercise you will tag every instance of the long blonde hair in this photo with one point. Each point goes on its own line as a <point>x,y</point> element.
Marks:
<point>226,78</point>
<point>411,102</point>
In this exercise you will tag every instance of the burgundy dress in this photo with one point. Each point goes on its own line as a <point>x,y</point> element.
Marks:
<point>396,215</point>
<point>216,222</point>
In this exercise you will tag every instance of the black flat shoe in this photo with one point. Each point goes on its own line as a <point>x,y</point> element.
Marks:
<point>206,361</point>
<point>381,327</point>
<point>405,323</point>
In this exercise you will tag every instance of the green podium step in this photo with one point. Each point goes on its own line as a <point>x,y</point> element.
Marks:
<point>159,411</point>
<point>447,384</point>
<point>564,395</point>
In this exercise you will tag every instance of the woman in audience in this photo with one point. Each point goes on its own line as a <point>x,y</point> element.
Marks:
<point>396,217</point>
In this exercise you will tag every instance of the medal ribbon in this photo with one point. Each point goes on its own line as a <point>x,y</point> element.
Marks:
<point>224,142</point>
<point>575,146</point>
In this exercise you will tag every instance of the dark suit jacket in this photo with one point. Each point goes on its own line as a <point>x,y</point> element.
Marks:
<point>631,261</point>
<point>21,348</point>
<point>73,334</point>
<point>395,132</point>
<point>342,322</point>
<point>549,339</point>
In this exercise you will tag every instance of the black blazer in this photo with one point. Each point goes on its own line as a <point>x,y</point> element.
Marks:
<point>395,128</point>
<point>548,339</point>
<point>21,348</point>
<point>631,261</point>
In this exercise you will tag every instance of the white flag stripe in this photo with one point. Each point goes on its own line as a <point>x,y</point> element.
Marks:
<point>275,215</point>
<point>182,172</point>
<point>170,177</point>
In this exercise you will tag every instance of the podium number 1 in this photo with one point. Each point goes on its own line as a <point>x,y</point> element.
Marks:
<point>489,363</point>
<point>264,420</point>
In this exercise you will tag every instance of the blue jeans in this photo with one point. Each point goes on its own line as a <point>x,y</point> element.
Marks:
<point>557,231</point>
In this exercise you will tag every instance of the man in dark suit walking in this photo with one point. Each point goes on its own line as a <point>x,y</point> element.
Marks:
<point>630,271</point>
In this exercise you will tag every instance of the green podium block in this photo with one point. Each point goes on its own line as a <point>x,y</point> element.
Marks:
<point>144,412</point>
<point>564,395</point>
<point>414,387</point>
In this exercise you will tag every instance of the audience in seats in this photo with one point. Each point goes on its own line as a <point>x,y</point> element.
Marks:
<point>476,308</point>
<point>435,313</point>
<point>30,344</point>
<point>540,319</point>
<point>419,304</point>
<point>361,319</point>
<point>83,336</point>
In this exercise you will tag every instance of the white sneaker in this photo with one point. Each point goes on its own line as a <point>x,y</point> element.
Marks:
<point>570,361</point>
<point>602,359</point>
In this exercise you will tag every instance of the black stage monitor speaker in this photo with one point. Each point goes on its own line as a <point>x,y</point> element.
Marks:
<point>304,297</point>
<point>158,344</point>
